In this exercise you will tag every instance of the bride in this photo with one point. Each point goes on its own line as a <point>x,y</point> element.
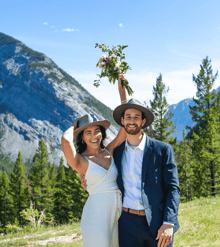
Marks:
<point>99,222</point>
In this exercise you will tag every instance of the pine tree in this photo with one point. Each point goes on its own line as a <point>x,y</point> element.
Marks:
<point>28,190</point>
<point>52,172</point>
<point>61,204</point>
<point>6,201</point>
<point>41,191</point>
<point>162,126</point>
<point>76,194</point>
<point>185,162</point>
<point>18,187</point>
<point>205,134</point>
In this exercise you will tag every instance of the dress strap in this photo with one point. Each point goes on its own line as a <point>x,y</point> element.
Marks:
<point>86,158</point>
<point>108,152</point>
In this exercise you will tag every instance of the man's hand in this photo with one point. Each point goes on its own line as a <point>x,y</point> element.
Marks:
<point>164,235</point>
<point>83,181</point>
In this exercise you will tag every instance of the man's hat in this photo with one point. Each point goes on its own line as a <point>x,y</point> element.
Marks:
<point>87,121</point>
<point>133,103</point>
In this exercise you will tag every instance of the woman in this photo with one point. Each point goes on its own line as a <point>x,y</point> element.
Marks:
<point>99,223</point>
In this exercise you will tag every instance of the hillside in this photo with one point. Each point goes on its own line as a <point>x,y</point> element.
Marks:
<point>39,100</point>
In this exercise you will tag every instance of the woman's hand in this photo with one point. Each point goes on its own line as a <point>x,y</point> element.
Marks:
<point>68,135</point>
<point>83,181</point>
<point>122,90</point>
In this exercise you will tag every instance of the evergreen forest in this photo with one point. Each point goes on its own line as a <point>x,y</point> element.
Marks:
<point>56,192</point>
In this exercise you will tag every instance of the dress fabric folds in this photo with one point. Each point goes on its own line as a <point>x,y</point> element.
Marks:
<point>99,222</point>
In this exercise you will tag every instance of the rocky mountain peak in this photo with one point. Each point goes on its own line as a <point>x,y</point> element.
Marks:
<point>39,100</point>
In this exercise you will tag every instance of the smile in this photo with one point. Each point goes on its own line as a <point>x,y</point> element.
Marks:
<point>132,126</point>
<point>94,141</point>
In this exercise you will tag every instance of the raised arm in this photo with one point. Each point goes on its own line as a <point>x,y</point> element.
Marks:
<point>122,91</point>
<point>121,136</point>
<point>75,160</point>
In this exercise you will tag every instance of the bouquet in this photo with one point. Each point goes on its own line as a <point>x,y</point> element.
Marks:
<point>113,65</point>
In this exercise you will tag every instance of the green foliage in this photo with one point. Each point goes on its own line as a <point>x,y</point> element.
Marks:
<point>61,204</point>
<point>6,164</point>
<point>9,228</point>
<point>185,162</point>
<point>206,133</point>
<point>6,201</point>
<point>162,126</point>
<point>66,77</point>
<point>77,196</point>
<point>39,177</point>
<point>34,216</point>
<point>113,65</point>
<point>5,39</point>
<point>17,187</point>
<point>34,55</point>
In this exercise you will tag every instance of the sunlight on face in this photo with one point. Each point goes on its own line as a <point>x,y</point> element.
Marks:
<point>132,121</point>
<point>92,136</point>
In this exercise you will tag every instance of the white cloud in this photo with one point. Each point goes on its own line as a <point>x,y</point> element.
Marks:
<point>52,26</point>
<point>45,23</point>
<point>70,30</point>
<point>121,25</point>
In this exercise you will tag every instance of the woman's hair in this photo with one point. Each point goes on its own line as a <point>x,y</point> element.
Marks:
<point>81,145</point>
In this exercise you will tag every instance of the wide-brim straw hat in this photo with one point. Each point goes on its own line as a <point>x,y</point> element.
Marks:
<point>133,103</point>
<point>87,121</point>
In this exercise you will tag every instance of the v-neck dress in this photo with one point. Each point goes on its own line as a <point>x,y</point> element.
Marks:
<point>99,222</point>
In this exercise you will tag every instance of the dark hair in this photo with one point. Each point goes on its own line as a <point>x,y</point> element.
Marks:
<point>123,113</point>
<point>81,146</point>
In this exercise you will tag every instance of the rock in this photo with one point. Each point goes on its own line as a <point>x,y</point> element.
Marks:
<point>39,100</point>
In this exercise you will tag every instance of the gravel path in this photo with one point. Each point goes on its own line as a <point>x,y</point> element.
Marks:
<point>58,239</point>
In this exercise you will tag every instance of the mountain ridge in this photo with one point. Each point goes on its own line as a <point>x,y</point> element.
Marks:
<point>39,100</point>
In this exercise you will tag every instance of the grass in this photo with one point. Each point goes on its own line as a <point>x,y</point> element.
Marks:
<point>199,226</point>
<point>199,223</point>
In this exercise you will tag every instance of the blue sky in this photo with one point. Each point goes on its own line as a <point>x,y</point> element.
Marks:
<point>168,37</point>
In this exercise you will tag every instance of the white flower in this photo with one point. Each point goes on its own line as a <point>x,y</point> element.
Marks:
<point>103,63</point>
<point>118,63</point>
<point>103,56</point>
<point>113,55</point>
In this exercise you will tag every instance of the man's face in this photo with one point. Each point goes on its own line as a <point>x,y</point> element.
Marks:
<point>132,121</point>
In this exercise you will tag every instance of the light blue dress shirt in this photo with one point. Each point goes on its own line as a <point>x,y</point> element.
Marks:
<point>131,174</point>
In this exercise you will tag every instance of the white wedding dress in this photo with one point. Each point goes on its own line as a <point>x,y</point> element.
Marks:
<point>99,223</point>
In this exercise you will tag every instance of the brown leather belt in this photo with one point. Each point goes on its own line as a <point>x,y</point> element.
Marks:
<point>133,211</point>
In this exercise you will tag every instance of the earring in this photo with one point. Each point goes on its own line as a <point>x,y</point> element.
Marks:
<point>83,142</point>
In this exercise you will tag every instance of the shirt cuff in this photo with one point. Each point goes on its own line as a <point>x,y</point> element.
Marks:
<point>168,223</point>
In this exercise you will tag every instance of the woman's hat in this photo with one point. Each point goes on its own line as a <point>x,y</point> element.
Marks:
<point>133,103</point>
<point>87,121</point>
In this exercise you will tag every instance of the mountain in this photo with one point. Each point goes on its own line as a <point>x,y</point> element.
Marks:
<point>39,100</point>
<point>182,116</point>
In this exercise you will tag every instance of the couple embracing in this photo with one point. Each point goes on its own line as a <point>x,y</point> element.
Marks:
<point>132,183</point>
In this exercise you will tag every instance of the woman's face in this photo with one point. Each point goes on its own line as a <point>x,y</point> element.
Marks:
<point>92,136</point>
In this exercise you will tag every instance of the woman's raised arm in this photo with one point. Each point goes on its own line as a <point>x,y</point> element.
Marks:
<point>121,136</point>
<point>74,159</point>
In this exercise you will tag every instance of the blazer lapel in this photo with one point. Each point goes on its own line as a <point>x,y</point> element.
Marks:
<point>146,157</point>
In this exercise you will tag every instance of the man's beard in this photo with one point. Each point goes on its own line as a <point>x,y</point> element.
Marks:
<point>133,131</point>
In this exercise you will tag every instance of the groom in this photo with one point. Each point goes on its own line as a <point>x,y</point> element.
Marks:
<point>148,180</point>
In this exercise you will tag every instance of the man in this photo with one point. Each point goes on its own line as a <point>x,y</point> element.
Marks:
<point>148,180</point>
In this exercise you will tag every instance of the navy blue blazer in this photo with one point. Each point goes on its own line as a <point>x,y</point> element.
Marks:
<point>159,185</point>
